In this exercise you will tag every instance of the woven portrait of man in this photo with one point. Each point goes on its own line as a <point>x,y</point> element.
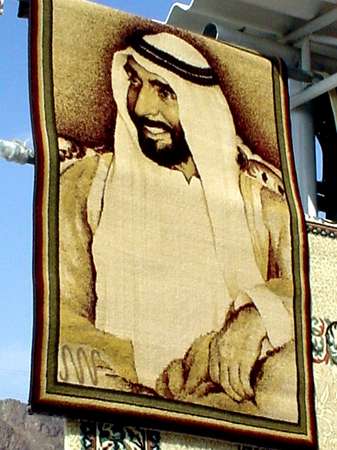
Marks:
<point>180,255</point>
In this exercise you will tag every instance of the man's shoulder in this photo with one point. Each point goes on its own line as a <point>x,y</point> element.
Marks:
<point>78,160</point>
<point>81,188</point>
<point>86,166</point>
<point>81,174</point>
<point>255,171</point>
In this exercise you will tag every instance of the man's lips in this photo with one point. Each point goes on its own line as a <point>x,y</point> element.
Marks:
<point>154,126</point>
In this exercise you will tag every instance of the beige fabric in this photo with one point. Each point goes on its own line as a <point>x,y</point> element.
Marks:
<point>72,435</point>
<point>323,277</point>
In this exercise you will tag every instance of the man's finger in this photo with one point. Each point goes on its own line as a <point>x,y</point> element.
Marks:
<point>245,381</point>
<point>235,381</point>
<point>225,383</point>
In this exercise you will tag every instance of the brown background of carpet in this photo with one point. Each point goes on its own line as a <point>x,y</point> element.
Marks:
<point>85,37</point>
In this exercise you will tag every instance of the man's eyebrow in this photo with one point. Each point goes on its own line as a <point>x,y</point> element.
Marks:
<point>161,85</point>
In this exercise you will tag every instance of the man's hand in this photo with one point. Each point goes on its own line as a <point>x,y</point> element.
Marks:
<point>234,352</point>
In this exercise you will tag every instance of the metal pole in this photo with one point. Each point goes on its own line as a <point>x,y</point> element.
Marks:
<point>304,141</point>
<point>325,40</point>
<point>306,54</point>
<point>16,151</point>
<point>311,27</point>
<point>313,91</point>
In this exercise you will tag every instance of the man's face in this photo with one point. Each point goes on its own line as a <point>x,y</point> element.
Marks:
<point>153,107</point>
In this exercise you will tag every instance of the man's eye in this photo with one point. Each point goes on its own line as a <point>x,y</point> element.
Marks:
<point>166,94</point>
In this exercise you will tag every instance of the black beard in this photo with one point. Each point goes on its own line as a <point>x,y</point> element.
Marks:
<point>171,155</point>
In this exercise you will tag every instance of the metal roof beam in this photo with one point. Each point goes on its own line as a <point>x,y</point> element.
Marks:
<point>322,39</point>
<point>271,48</point>
<point>313,91</point>
<point>314,25</point>
<point>267,46</point>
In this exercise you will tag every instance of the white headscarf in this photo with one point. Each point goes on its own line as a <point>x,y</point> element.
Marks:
<point>209,130</point>
<point>210,133</point>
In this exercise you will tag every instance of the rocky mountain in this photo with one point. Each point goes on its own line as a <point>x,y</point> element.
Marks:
<point>20,430</point>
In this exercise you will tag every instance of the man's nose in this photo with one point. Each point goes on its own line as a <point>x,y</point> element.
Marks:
<point>148,102</point>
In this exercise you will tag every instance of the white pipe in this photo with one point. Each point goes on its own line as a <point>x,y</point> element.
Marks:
<point>322,39</point>
<point>313,91</point>
<point>16,151</point>
<point>311,27</point>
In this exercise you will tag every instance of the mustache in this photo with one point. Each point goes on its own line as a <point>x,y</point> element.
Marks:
<point>144,121</point>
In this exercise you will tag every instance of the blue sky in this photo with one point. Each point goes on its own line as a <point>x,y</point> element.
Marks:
<point>16,194</point>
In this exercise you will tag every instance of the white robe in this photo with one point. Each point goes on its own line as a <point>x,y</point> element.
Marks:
<point>159,282</point>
